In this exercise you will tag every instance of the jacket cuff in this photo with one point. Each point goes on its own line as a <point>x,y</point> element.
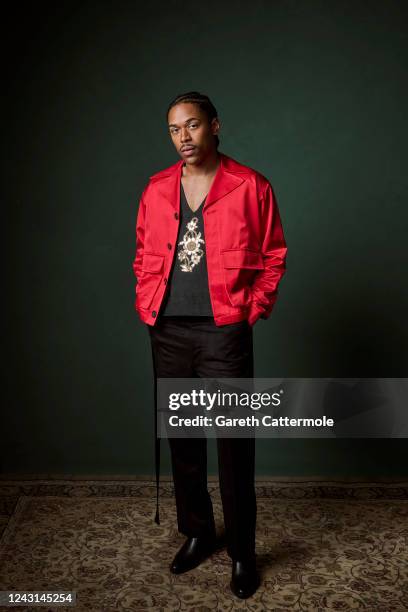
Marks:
<point>255,312</point>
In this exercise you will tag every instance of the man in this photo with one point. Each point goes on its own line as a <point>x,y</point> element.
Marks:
<point>210,253</point>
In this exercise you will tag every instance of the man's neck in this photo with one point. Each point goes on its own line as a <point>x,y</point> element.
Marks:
<point>207,167</point>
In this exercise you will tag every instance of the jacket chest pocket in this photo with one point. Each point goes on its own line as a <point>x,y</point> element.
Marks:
<point>150,278</point>
<point>240,266</point>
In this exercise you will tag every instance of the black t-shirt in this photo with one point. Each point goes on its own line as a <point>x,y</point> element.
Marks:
<point>187,288</point>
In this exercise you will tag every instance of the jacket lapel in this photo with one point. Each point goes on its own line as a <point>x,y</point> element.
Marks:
<point>228,177</point>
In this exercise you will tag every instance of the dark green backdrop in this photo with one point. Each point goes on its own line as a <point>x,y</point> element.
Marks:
<point>313,95</point>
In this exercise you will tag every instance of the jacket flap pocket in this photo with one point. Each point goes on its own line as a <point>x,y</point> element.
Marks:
<point>242,258</point>
<point>152,262</point>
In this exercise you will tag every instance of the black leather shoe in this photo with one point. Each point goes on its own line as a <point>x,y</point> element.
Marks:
<point>244,579</point>
<point>193,552</point>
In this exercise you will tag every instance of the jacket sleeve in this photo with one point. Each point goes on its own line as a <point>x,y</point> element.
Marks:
<point>273,247</point>
<point>140,233</point>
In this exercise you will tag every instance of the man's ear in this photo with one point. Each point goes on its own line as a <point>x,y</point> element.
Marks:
<point>215,126</point>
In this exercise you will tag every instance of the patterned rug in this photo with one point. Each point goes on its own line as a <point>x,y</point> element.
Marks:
<point>334,552</point>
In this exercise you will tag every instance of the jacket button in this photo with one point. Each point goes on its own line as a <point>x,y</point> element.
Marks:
<point>154,313</point>
<point>168,245</point>
<point>165,281</point>
<point>176,215</point>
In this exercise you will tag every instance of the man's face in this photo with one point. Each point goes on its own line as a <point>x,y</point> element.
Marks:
<point>191,132</point>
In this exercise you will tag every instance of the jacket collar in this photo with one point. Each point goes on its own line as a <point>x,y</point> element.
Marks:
<point>230,175</point>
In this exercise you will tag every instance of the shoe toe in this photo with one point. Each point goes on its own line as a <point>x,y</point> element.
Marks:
<point>177,568</point>
<point>245,580</point>
<point>243,592</point>
<point>191,554</point>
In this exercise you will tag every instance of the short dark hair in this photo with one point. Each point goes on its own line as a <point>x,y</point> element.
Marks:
<point>203,101</point>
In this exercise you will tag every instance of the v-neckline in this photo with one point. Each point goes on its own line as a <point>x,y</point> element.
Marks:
<point>185,197</point>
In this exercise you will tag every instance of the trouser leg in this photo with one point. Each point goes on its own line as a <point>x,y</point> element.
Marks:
<point>172,344</point>
<point>194,506</point>
<point>227,352</point>
<point>236,466</point>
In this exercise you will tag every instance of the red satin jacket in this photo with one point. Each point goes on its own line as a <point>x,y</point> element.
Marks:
<point>244,242</point>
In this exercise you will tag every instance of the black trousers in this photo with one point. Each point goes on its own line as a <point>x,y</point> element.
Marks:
<point>188,347</point>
